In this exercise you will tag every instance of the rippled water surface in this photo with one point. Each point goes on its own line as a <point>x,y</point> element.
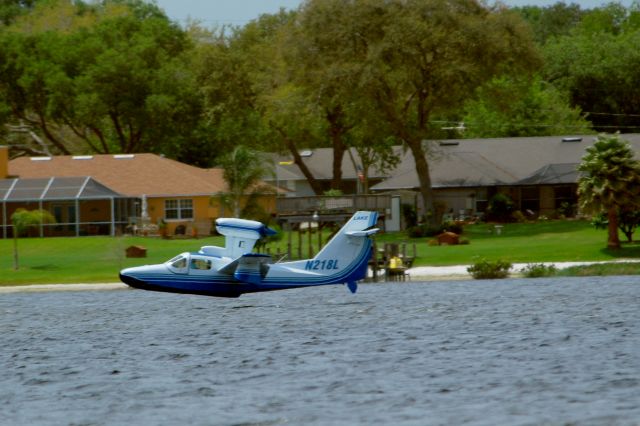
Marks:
<point>512,352</point>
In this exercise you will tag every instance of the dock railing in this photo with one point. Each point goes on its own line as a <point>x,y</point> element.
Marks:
<point>332,204</point>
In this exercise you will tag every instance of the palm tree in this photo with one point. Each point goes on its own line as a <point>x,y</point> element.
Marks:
<point>243,170</point>
<point>22,220</point>
<point>610,181</point>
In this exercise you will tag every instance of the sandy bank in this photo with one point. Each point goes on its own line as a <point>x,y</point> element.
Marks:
<point>62,287</point>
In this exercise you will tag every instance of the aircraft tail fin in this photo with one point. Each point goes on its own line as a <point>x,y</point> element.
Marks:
<point>348,252</point>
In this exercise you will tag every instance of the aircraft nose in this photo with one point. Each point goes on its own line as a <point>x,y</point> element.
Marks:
<point>128,279</point>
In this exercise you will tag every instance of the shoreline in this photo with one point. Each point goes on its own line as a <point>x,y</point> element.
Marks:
<point>33,288</point>
<point>417,274</point>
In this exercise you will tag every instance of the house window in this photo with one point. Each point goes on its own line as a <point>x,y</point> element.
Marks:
<point>530,199</point>
<point>565,194</point>
<point>178,209</point>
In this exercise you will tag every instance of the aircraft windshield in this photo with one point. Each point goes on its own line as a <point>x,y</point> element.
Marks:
<point>178,262</point>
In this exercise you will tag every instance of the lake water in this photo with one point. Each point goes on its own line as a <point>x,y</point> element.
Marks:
<point>517,352</point>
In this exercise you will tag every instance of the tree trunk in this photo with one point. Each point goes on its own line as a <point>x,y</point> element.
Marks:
<point>297,159</point>
<point>422,169</point>
<point>613,240</point>
<point>16,265</point>
<point>337,130</point>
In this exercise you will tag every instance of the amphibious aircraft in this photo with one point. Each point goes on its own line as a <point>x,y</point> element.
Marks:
<point>234,269</point>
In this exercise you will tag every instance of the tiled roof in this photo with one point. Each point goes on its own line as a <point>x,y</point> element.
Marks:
<point>131,174</point>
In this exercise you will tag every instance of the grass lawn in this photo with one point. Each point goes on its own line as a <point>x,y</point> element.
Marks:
<point>98,259</point>
<point>552,241</point>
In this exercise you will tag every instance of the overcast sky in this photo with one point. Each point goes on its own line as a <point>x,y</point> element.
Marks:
<point>239,12</point>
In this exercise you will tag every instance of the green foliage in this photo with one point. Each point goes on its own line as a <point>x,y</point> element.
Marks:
<point>22,220</point>
<point>500,208</point>
<point>597,66</point>
<point>610,181</point>
<point>333,193</point>
<point>516,107</point>
<point>552,21</point>
<point>599,221</point>
<point>601,269</point>
<point>628,221</point>
<point>104,78</point>
<point>427,230</point>
<point>486,269</point>
<point>539,270</point>
<point>243,169</point>
<point>567,209</point>
<point>410,215</point>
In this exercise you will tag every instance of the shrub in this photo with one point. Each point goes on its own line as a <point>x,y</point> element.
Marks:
<point>486,269</point>
<point>410,215</point>
<point>423,230</point>
<point>455,227</point>
<point>500,208</point>
<point>518,216</point>
<point>539,270</point>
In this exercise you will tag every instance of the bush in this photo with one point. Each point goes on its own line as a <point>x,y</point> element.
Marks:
<point>455,227</point>
<point>539,270</point>
<point>518,216</point>
<point>500,208</point>
<point>486,269</point>
<point>410,215</point>
<point>423,230</point>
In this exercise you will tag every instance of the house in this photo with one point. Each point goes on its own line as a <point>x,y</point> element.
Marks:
<point>538,173</point>
<point>288,176</point>
<point>106,194</point>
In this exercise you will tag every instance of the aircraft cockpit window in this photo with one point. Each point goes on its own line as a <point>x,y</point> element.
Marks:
<point>179,262</point>
<point>202,264</point>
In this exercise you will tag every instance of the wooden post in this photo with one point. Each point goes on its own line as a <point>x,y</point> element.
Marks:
<point>374,263</point>
<point>310,245</point>
<point>289,240</point>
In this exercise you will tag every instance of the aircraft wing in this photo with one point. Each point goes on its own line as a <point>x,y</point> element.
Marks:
<point>250,267</point>
<point>230,267</point>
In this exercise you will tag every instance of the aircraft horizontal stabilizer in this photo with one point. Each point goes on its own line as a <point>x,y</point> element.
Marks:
<point>364,233</point>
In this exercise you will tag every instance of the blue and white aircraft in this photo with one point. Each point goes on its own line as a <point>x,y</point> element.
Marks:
<point>233,270</point>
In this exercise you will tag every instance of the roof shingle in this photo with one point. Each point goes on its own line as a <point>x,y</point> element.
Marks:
<point>132,175</point>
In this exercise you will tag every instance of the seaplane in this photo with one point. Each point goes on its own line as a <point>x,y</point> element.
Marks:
<point>235,269</point>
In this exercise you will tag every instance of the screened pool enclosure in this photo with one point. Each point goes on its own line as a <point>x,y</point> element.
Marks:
<point>80,206</point>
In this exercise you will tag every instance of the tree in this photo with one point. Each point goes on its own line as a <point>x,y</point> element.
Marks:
<point>551,21</point>
<point>22,220</point>
<point>628,221</point>
<point>508,107</point>
<point>243,170</point>
<point>598,66</point>
<point>11,9</point>
<point>420,61</point>
<point>610,182</point>
<point>107,77</point>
